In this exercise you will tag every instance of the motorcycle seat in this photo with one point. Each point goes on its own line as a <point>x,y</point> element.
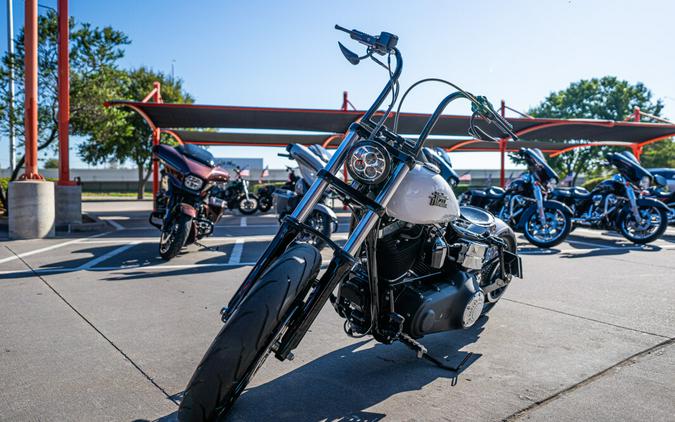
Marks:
<point>495,192</point>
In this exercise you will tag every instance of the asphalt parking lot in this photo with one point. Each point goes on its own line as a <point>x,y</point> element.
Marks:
<point>98,327</point>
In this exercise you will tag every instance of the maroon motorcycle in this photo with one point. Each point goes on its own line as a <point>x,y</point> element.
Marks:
<point>187,206</point>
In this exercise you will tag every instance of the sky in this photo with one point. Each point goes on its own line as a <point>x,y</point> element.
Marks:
<point>285,54</point>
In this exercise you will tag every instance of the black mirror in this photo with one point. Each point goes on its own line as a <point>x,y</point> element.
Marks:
<point>351,57</point>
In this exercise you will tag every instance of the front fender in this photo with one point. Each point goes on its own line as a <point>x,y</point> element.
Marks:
<point>651,202</point>
<point>188,210</point>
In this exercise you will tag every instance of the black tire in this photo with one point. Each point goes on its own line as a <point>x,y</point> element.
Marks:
<point>243,342</point>
<point>248,206</point>
<point>531,214</point>
<point>493,270</point>
<point>264,203</point>
<point>170,243</point>
<point>627,216</point>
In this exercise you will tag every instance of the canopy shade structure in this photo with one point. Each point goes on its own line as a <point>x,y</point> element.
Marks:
<point>189,116</point>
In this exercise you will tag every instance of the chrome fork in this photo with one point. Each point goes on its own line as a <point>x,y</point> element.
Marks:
<point>540,203</point>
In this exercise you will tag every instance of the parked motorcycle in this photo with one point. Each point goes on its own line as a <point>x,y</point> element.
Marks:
<point>660,192</point>
<point>322,218</point>
<point>415,263</point>
<point>236,193</point>
<point>266,192</point>
<point>524,204</point>
<point>618,203</point>
<point>185,209</point>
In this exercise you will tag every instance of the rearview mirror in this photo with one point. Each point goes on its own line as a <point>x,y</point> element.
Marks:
<point>351,57</point>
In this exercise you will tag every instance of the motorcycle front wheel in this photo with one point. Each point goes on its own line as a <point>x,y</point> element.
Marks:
<point>557,225</point>
<point>653,223</point>
<point>264,203</point>
<point>173,236</point>
<point>248,335</point>
<point>248,206</point>
<point>320,222</point>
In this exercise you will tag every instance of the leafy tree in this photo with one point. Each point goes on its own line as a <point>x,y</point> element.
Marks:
<point>659,154</point>
<point>122,135</point>
<point>605,98</point>
<point>94,53</point>
<point>51,163</point>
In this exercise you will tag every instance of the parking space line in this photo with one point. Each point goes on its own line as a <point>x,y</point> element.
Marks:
<point>237,249</point>
<point>106,256</point>
<point>242,222</point>
<point>48,248</point>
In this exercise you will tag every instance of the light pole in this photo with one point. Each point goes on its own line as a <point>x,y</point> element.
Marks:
<point>10,111</point>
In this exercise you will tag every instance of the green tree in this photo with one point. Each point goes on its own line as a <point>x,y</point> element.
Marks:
<point>94,53</point>
<point>659,154</point>
<point>606,98</point>
<point>122,135</point>
<point>51,163</point>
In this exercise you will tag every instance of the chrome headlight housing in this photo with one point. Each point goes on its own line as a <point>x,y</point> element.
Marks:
<point>193,182</point>
<point>645,181</point>
<point>369,162</point>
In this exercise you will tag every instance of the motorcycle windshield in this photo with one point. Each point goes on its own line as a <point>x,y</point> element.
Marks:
<point>629,166</point>
<point>536,163</point>
<point>198,154</point>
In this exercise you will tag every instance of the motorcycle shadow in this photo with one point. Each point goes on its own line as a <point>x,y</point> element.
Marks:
<point>342,384</point>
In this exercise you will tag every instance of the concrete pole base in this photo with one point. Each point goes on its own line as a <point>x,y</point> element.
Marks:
<point>31,209</point>
<point>68,205</point>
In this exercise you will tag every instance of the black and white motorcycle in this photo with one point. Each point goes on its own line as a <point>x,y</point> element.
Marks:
<point>414,264</point>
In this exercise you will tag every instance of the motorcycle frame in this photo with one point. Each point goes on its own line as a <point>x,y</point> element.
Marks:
<point>344,258</point>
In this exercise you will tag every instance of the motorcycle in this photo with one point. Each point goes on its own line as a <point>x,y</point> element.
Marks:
<point>266,192</point>
<point>524,204</point>
<point>322,218</point>
<point>185,209</point>
<point>236,194</point>
<point>415,263</point>
<point>660,192</point>
<point>618,203</point>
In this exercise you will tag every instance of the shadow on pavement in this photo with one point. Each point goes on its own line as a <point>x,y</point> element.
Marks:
<point>342,384</point>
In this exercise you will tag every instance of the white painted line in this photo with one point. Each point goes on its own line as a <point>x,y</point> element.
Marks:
<point>235,255</point>
<point>127,267</point>
<point>48,248</point>
<point>106,256</point>
<point>242,222</point>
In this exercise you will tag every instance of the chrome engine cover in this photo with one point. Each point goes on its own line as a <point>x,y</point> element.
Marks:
<point>424,197</point>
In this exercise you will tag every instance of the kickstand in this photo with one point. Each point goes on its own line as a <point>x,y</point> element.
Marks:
<point>423,353</point>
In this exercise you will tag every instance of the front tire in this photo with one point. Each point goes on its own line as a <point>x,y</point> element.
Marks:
<point>173,238</point>
<point>248,206</point>
<point>558,224</point>
<point>321,222</point>
<point>654,223</point>
<point>245,340</point>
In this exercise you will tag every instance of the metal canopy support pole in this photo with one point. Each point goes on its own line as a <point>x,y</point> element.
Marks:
<point>31,91</point>
<point>64,95</point>
<point>10,45</point>
<point>157,97</point>
<point>502,152</point>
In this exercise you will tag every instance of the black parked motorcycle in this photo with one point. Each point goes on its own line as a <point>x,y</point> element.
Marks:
<point>266,192</point>
<point>618,203</point>
<point>322,218</point>
<point>660,191</point>
<point>415,264</point>
<point>236,194</point>
<point>524,205</point>
<point>186,209</point>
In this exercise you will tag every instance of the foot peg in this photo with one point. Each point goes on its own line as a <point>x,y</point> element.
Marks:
<point>423,353</point>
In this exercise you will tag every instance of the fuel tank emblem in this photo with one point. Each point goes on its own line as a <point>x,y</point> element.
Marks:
<point>438,199</point>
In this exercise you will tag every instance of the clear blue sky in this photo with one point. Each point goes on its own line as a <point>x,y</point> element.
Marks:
<point>266,53</point>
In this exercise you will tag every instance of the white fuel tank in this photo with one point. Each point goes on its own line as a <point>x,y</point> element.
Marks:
<point>424,197</point>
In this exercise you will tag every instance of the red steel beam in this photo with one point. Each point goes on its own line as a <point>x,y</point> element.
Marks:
<point>64,95</point>
<point>31,91</point>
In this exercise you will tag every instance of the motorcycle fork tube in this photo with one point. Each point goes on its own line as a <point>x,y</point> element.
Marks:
<point>288,232</point>
<point>540,203</point>
<point>633,203</point>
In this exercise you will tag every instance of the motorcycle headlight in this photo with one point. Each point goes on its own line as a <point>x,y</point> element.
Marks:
<point>368,162</point>
<point>551,183</point>
<point>645,182</point>
<point>193,182</point>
